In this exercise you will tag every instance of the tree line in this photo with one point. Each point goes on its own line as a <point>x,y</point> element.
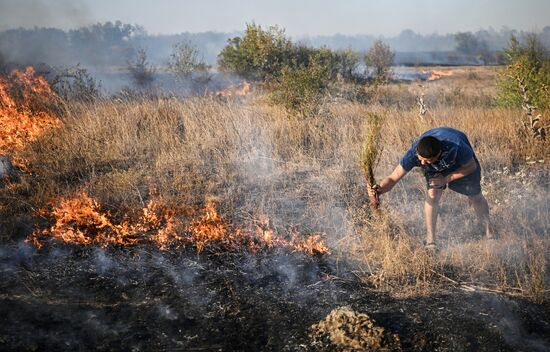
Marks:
<point>114,43</point>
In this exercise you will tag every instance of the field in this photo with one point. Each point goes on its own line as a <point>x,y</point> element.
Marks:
<point>227,223</point>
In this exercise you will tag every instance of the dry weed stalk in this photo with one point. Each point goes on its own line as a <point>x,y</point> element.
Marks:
<point>422,107</point>
<point>533,125</point>
<point>371,152</point>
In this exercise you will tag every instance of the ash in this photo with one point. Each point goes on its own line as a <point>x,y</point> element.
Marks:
<point>144,299</point>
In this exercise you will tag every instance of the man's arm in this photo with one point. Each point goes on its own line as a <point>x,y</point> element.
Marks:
<point>464,170</point>
<point>388,182</point>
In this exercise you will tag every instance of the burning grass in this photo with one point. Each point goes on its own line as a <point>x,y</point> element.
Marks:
<point>438,74</point>
<point>26,110</point>
<point>80,221</point>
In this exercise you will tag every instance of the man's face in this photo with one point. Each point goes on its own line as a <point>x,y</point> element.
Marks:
<point>428,161</point>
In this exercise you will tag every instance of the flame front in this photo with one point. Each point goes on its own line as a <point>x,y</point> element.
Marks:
<point>435,75</point>
<point>233,91</point>
<point>23,96</point>
<point>81,221</point>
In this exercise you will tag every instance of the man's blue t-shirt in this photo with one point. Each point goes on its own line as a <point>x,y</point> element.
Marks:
<point>455,151</point>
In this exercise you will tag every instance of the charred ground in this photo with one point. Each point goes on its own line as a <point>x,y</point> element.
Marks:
<point>143,299</point>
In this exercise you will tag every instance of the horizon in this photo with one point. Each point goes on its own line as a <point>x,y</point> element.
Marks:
<point>308,18</point>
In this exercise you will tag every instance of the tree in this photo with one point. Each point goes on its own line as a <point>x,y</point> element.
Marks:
<point>141,71</point>
<point>107,43</point>
<point>380,58</point>
<point>184,61</point>
<point>3,64</point>
<point>467,43</point>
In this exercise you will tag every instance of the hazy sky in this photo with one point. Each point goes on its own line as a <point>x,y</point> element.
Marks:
<point>298,17</point>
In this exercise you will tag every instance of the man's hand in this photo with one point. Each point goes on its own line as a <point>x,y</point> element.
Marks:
<point>439,181</point>
<point>373,190</point>
<point>374,195</point>
<point>387,183</point>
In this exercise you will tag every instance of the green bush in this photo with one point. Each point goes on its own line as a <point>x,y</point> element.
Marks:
<point>346,63</point>
<point>299,74</point>
<point>263,54</point>
<point>259,54</point>
<point>526,77</point>
<point>300,90</point>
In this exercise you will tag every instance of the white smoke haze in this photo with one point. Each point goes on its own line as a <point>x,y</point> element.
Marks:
<point>507,316</point>
<point>165,312</point>
<point>65,14</point>
<point>102,260</point>
<point>183,274</point>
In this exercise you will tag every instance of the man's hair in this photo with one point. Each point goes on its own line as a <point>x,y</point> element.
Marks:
<point>428,147</point>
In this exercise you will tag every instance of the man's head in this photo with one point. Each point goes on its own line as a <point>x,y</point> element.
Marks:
<point>428,150</point>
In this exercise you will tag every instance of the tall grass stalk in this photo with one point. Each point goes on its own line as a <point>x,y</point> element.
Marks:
<point>372,146</point>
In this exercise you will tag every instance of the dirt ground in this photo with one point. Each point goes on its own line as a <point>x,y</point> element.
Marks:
<point>142,299</point>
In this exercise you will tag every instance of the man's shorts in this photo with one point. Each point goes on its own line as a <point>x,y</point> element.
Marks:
<point>468,185</point>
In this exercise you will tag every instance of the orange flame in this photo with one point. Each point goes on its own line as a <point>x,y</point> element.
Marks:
<point>80,221</point>
<point>439,74</point>
<point>23,96</point>
<point>233,91</point>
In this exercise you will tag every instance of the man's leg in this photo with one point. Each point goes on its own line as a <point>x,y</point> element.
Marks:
<point>431,211</point>
<point>481,208</point>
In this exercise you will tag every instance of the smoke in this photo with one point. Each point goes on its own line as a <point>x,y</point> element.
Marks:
<point>183,274</point>
<point>11,256</point>
<point>295,192</point>
<point>41,13</point>
<point>506,316</point>
<point>103,262</point>
<point>165,312</point>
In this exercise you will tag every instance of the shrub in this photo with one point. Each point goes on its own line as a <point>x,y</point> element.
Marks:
<point>142,73</point>
<point>526,77</point>
<point>338,63</point>
<point>259,54</point>
<point>75,84</point>
<point>300,90</point>
<point>347,61</point>
<point>184,61</point>
<point>263,54</point>
<point>298,73</point>
<point>380,58</point>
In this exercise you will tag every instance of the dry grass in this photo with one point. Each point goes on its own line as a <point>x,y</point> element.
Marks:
<point>353,331</point>
<point>253,158</point>
<point>371,146</point>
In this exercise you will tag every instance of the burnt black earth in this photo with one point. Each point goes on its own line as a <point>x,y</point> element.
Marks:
<point>64,298</point>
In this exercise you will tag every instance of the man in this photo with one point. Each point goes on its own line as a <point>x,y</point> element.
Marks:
<point>447,159</point>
